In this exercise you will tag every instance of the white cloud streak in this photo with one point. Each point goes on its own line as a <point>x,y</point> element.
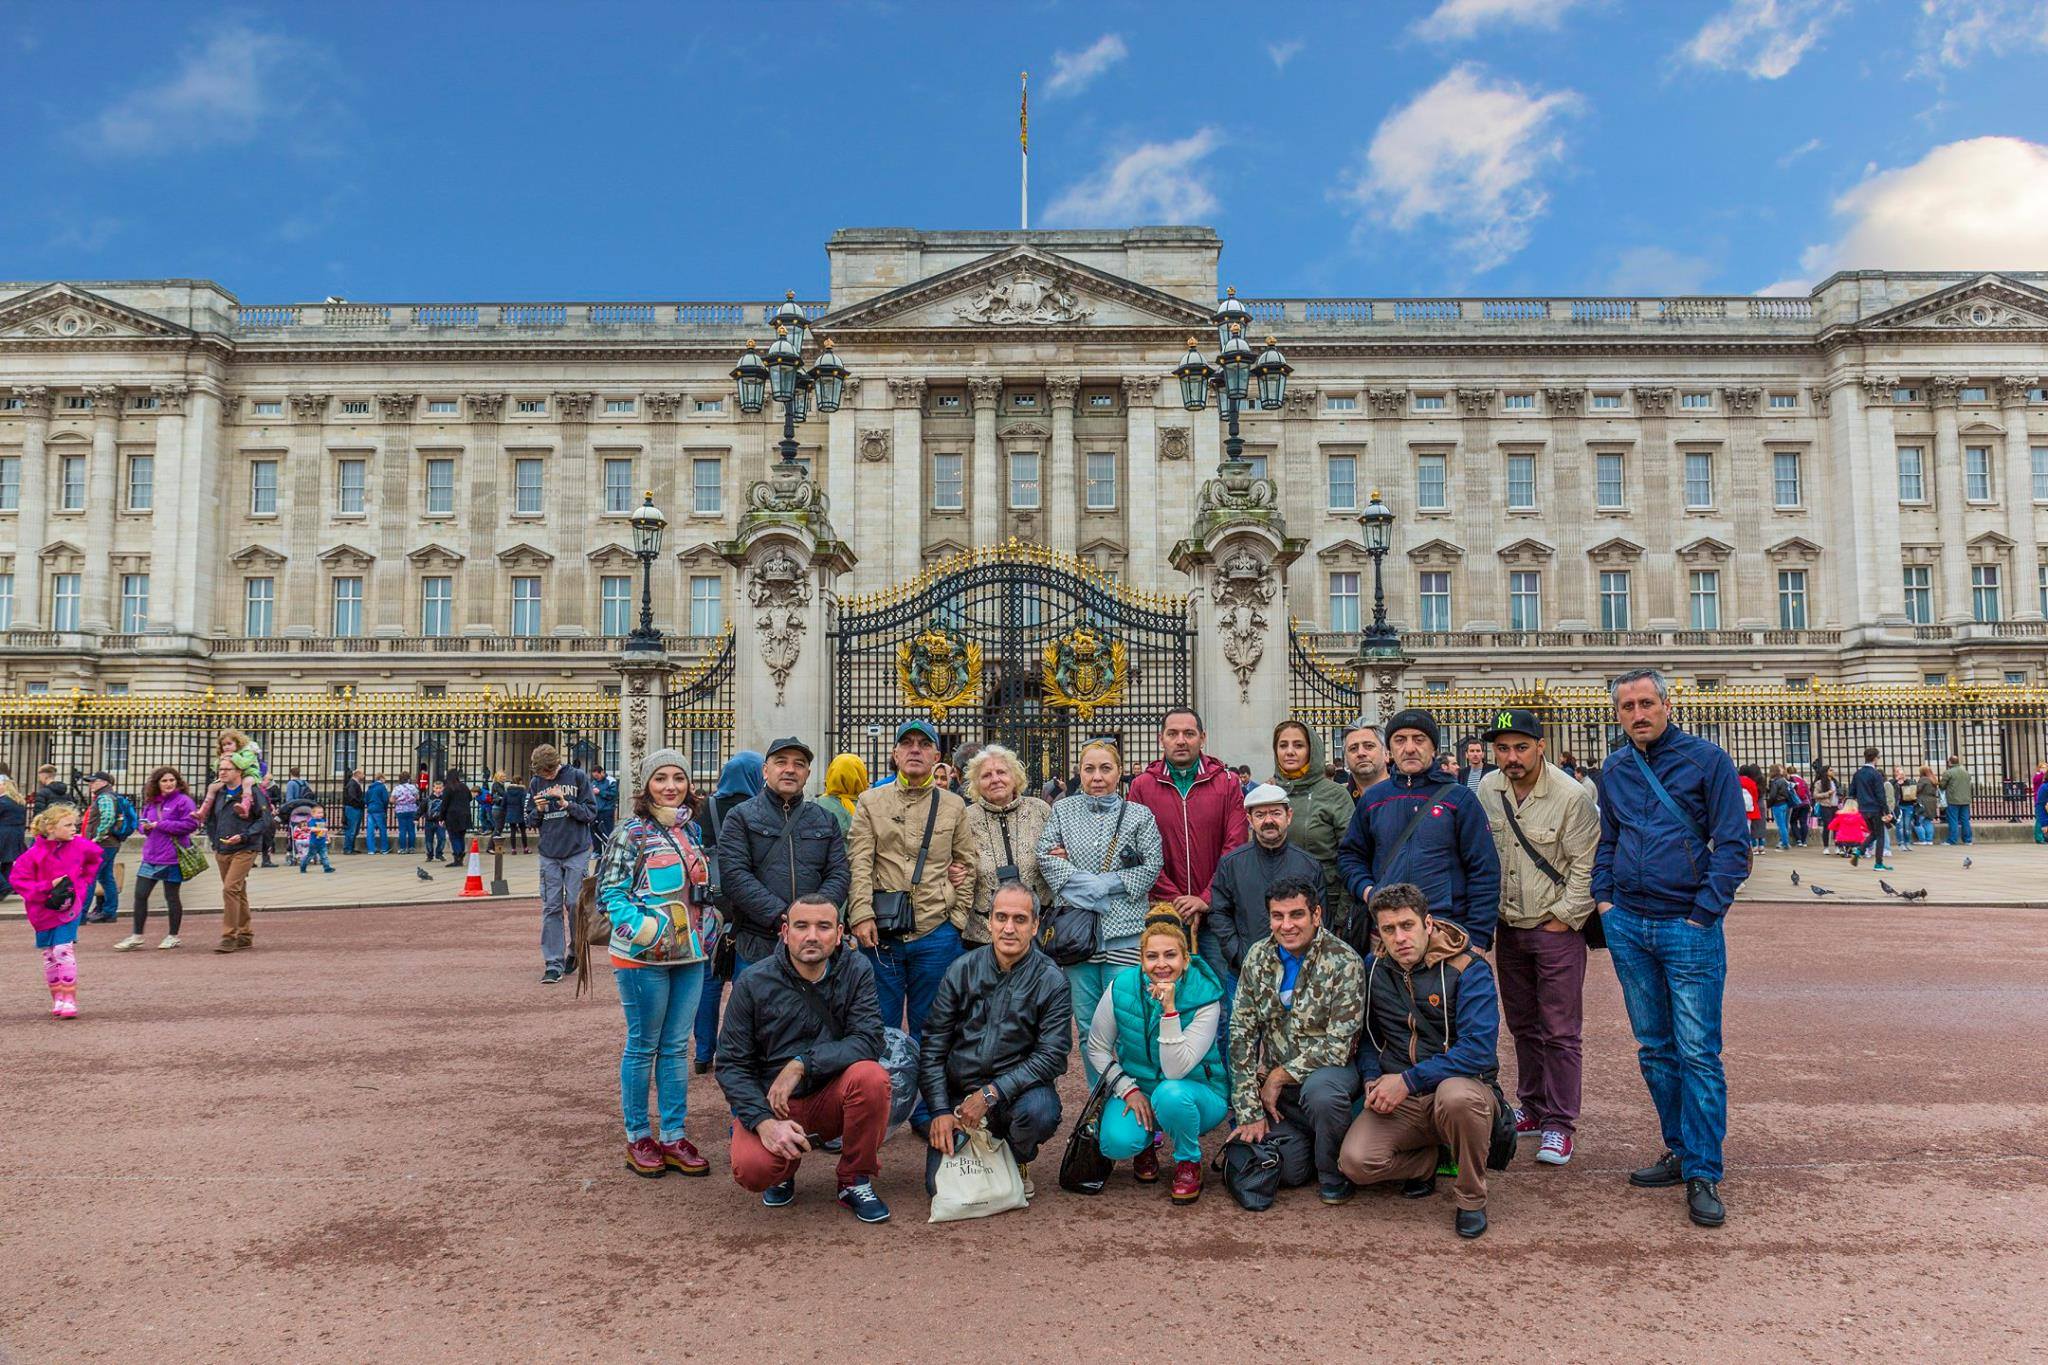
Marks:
<point>1456,20</point>
<point>1159,182</point>
<point>1954,33</point>
<point>223,92</point>
<point>1806,148</point>
<point>1764,38</point>
<point>1978,204</point>
<point>1466,153</point>
<point>1283,53</point>
<point>1073,72</point>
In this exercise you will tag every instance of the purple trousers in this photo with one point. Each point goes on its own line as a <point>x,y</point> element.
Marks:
<point>1542,994</point>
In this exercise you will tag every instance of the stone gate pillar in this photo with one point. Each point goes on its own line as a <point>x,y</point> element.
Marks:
<point>1237,559</point>
<point>786,557</point>
<point>644,676</point>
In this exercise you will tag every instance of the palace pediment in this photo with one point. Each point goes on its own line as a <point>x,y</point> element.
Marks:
<point>1989,303</point>
<point>63,312</point>
<point>1024,289</point>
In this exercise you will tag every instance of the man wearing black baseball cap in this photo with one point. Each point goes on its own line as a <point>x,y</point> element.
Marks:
<point>1419,825</point>
<point>775,848</point>
<point>1545,831</point>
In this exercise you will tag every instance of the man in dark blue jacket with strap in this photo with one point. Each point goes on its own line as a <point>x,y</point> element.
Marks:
<point>1674,846</point>
<point>1418,825</point>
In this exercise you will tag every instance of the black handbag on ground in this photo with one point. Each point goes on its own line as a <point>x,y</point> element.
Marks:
<point>1084,1169</point>
<point>1072,935</point>
<point>895,916</point>
<point>1253,1172</point>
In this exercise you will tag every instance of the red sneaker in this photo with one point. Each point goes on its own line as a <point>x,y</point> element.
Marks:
<point>643,1157</point>
<point>1187,1181</point>
<point>681,1156</point>
<point>1145,1165</point>
<point>1525,1122</point>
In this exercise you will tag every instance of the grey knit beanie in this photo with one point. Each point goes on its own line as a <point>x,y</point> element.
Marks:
<point>660,758</point>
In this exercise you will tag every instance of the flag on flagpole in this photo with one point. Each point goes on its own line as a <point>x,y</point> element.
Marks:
<point>1024,150</point>
<point>1024,110</point>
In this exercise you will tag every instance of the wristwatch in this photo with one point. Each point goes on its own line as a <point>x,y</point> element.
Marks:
<point>989,1096</point>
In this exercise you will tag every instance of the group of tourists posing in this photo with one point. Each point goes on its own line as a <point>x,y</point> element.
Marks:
<point>1325,975</point>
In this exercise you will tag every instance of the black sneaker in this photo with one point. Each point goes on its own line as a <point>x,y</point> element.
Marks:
<point>865,1203</point>
<point>1420,1188</point>
<point>550,976</point>
<point>1470,1223</point>
<point>1659,1174</point>
<point>1338,1191</point>
<point>779,1196</point>
<point>1703,1203</point>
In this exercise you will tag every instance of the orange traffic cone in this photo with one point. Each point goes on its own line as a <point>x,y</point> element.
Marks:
<point>473,883</point>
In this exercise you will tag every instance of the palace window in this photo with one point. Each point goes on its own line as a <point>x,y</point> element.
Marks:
<point>1905,394</point>
<point>1429,402</point>
<point>946,401</point>
<point>1101,490</point>
<point>1344,601</point>
<point>1705,592</point>
<point>1919,582</point>
<point>134,603</point>
<point>949,482</point>
<point>1525,600</point>
<point>526,605</point>
<point>1343,483</point>
<point>2040,574</point>
<point>532,407</point>
<point>1912,474</point>
<point>268,407</point>
<point>1791,599</point>
<point>10,483</point>
<point>1614,599</point>
<point>355,407</point>
<point>437,606</point>
<point>441,407</point>
<point>619,407</point>
<point>709,405</point>
<point>615,604</point>
<point>1974,394</point>
<point>707,604</point>
<point>1607,402</point>
<point>618,487</point>
<point>263,488</point>
<point>1340,402</point>
<point>526,487</point>
<point>1521,483</point>
<point>1518,402</point>
<point>440,488</point>
<point>71,483</point>
<point>1785,478</point>
<point>1977,473</point>
<point>348,606</point>
<point>1784,402</point>
<point>1023,479</point>
<point>259,604</point>
<point>141,483</point>
<point>2039,455</point>
<point>1696,402</point>
<point>1607,481</point>
<point>1436,600</point>
<point>707,484</point>
<point>1429,482</point>
<point>1984,604</point>
<point>7,601</point>
<point>1699,480</point>
<point>143,402</point>
<point>1101,400</point>
<point>349,480</point>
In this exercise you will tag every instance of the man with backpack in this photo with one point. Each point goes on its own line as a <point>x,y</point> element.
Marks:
<point>110,819</point>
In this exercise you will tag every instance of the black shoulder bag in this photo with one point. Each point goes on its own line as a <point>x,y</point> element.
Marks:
<point>1072,934</point>
<point>1595,932</point>
<point>895,916</point>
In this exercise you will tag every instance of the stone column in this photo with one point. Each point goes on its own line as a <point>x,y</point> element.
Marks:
<point>1878,477</point>
<point>842,451</point>
<point>199,553</point>
<point>1063,499</point>
<point>785,558</point>
<point>480,519</point>
<point>96,597</point>
<point>1750,499</point>
<point>986,393</point>
<point>1579,529</point>
<point>1141,511</point>
<point>2023,599</point>
<point>32,522</point>
<point>579,488</point>
<point>1394,476</point>
<point>1667,588</point>
<point>906,458</point>
<point>166,526</point>
<point>396,515</point>
<point>643,709</point>
<point>1483,603</point>
<point>1949,503</point>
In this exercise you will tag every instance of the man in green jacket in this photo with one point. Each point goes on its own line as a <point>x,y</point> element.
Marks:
<point>1957,787</point>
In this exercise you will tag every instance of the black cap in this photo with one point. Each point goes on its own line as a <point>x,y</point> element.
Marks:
<point>790,742</point>
<point>1514,720</point>
<point>107,778</point>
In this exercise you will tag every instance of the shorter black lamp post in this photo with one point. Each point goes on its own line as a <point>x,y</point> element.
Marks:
<point>648,524</point>
<point>1376,529</point>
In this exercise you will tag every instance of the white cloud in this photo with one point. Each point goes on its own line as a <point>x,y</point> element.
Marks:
<point>1806,148</point>
<point>1954,33</point>
<point>1974,205</point>
<point>1766,38</point>
<point>1456,20</point>
<point>1283,53</point>
<point>1073,72</point>
<point>1657,271</point>
<point>1159,182</point>
<point>1466,152</point>
<point>222,92</point>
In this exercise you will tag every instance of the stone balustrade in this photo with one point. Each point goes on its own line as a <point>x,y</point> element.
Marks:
<point>1743,311</point>
<point>288,321</point>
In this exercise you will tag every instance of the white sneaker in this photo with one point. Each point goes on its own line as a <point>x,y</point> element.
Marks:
<point>1024,1171</point>
<point>129,944</point>
<point>170,941</point>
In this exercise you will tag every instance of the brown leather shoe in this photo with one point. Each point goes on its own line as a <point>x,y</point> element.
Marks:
<point>1187,1181</point>
<point>682,1156</point>
<point>643,1157</point>
<point>1145,1165</point>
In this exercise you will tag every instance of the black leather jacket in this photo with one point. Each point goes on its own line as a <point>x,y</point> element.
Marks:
<point>991,1027</point>
<point>771,1018</point>
<point>760,871</point>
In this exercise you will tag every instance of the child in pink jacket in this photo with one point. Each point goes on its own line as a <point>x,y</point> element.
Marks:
<point>50,876</point>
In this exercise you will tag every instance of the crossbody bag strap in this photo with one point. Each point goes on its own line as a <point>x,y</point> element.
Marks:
<point>1657,789</point>
<point>1115,833</point>
<point>924,848</point>
<point>1401,839</point>
<point>1003,827</point>
<point>1507,806</point>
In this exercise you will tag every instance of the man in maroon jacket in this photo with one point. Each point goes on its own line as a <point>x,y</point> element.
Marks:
<point>1199,807</point>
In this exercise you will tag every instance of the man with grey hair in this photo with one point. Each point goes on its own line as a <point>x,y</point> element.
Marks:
<point>1674,847</point>
<point>1365,755</point>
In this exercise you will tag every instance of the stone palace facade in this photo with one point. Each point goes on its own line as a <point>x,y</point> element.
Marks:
<point>200,493</point>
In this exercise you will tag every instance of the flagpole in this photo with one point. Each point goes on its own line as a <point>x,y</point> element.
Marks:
<point>1024,148</point>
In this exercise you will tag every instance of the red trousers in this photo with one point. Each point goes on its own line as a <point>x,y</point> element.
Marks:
<point>854,1107</point>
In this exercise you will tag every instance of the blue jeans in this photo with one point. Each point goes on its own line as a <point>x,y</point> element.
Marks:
<point>907,976</point>
<point>380,833</point>
<point>1184,1110</point>
<point>1025,1123</point>
<point>437,841</point>
<point>1782,814</point>
<point>1086,983</point>
<point>405,830</point>
<point>1672,973</point>
<point>659,1002</point>
<point>316,852</point>
<point>105,888</point>
<point>708,1007</point>
<point>1958,818</point>
<point>351,825</point>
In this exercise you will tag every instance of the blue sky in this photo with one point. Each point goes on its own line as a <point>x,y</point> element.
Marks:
<point>446,150</point>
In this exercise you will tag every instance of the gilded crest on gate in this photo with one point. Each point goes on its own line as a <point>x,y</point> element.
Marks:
<point>939,670</point>
<point>1083,671</point>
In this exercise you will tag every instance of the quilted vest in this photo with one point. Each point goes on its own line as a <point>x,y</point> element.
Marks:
<point>1137,1025</point>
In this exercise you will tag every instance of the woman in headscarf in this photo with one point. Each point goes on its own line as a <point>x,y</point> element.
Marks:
<point>846,777</point>
<point>1005,822</point>
<point>739,780</point>
<point>1101,853</point>
<point>1322,808</point>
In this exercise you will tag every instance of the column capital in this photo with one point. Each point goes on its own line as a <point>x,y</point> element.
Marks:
<point>574,407</point>
<point>1742,401</point>
<point>106,401</point>
<point>1140,390</point>
<point>35,399</point>
<point>985,389</point>
<point>663,407</point>
<point>1653,402</point>
<point>1301,400</point>
<point>309,407</point>
<point>1479,402</point>
<point>485,407</point>
<point>2016,390</point>
<point>1387,402</point>
<point>397,405</point>
<point>1877,389</point>
<point>1062,390</point>
<point>908,391</point>
<point>1562,402</point>
<point>170,398</point>
<point>1945,389</point>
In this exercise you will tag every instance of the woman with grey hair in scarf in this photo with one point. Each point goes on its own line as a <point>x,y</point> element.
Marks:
<point>1004,819</point>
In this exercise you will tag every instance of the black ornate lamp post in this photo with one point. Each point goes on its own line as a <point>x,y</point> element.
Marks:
<point>779,375</point>
<point>1380,657</point>
<point>648,524</point>
<point>1237,370</point>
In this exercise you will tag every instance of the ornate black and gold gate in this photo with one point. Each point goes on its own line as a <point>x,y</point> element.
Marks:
<point>1017,645</point>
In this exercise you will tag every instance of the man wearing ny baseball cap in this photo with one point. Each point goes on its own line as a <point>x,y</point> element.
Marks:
<point>1545,831</point>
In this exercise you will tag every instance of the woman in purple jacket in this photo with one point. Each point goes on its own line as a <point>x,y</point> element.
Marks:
<point>169,816</point>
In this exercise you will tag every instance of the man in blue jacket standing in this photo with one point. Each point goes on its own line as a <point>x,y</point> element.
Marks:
<point>1674,846</point>
<point>1420,825</point>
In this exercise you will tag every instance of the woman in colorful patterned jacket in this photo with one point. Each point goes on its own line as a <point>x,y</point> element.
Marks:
<point>654,887</point>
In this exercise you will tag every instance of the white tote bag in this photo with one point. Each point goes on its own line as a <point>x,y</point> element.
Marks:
<point>978,1180</point>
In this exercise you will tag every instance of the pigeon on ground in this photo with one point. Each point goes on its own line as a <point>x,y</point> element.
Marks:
<point>1795,877</point>
<point>423,874</point>
<point>1820,891</point>
<point>1968,861</point>
<point>1886,887</point>
<point>1919,895</point>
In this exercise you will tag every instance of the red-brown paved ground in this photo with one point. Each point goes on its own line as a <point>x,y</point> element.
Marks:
<point>376,1137</point>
